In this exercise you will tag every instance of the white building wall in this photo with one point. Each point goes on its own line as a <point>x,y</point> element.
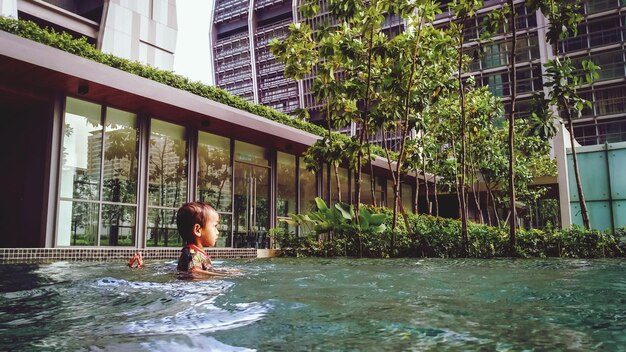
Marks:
<point>141,30</point>
<point>8,8</point>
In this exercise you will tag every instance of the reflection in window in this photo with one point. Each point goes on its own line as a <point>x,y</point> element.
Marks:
<point>91,180</point>
<point>343,185</point>
<point>162,231</point>
<point>118,225</point>
<point>251,153</point>
<point>285,189</point>
<point>167,182</point>
<point>167,170</point>
<point>307,189</point>
<point>286,184</point>
<point>366,189</point>
<point>214,171</point>
<point>120,157</point>
<point>407,197</point>
<point>81,166</point>
<point>224,238</point>
<point>78,223</point>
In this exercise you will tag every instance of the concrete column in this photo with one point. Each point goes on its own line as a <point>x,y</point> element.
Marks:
<point>560,145</point>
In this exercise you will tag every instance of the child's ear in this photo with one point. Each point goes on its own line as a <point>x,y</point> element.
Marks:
<point>197,230</point>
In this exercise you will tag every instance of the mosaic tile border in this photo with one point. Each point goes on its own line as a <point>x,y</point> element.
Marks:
<point>47,255</point>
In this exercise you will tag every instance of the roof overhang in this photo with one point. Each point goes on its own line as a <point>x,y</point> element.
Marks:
<point>40,70</point>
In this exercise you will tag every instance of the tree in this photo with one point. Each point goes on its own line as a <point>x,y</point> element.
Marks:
<point>464,10</point>
<point>496,20</point>
<point>417,71</point>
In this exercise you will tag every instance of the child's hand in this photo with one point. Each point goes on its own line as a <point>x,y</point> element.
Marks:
<point>136,261</point>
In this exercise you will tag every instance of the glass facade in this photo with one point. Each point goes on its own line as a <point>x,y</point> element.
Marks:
<point>167,182</point>
<point>214,172</point>
<point>308,188</point>
<point>98,186</point>
<point>107,187</point>
<point>343,185</point>
<point>251,213</point>
<point>286,189</point>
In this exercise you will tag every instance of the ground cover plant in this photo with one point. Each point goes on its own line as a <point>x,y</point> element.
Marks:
<point>332,232</point>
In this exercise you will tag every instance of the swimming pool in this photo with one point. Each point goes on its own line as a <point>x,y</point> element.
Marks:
<point>317,304</point>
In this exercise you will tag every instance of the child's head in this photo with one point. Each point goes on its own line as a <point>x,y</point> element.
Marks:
<point>197,223</point>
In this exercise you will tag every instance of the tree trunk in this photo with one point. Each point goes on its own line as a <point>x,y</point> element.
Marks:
<point>579,187</point>
<point>428,207</point>
<point>487,205</point>
<point>463,203</point>
<point>495,207</point>
<point>513,216</point>
<point>416,194</point>
<point>436,196</point>
<point>337,180</point>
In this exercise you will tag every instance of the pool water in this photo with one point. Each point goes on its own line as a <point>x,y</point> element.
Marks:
<point>318,304</point>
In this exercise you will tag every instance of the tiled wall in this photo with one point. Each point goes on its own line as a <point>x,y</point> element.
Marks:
<point>47,255</point>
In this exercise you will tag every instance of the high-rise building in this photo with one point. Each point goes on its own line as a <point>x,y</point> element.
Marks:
<point>600,38</point>
<point>243,65</point>
<point>144,31</point>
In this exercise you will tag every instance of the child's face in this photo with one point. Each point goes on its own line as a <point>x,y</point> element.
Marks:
<point>210,230</point>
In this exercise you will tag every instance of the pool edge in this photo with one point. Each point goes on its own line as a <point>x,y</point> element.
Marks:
<point>47,255</point>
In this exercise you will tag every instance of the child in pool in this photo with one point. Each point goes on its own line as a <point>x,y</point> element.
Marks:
<point>197,225</point>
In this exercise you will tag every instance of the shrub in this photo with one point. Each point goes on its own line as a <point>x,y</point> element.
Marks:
<point>430,236</point>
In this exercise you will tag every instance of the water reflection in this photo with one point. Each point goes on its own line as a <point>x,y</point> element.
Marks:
<point>319,304</point>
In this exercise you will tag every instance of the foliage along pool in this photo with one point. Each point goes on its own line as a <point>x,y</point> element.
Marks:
<point>318,304</point>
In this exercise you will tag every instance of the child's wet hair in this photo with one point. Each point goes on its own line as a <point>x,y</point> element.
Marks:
<point>189,215</point>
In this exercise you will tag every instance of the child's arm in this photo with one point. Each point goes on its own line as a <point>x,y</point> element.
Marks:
<point>199,273</point>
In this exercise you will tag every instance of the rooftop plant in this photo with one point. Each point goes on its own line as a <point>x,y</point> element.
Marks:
<point>81,47</point>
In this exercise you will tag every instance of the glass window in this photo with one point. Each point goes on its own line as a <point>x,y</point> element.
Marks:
<point>224,238</point>
<point>117,226</point>
<point>214,171</point>
<point>162,231</point>
<point>78,223</point>
<point>605,31</point>
<point>286,182</point>
<point>120,157</point>
<point>611,64</point>
<point>251,153</point>
<point>407,197</point>
<point>381,186</point>
<point>98,195</point>
<point>389,200</point>
<point>307,188</point>
<point>80,173</point>
<point>366,189</point>
<point>343,185</point>
<point>594,6</point>
<point>167,182</point>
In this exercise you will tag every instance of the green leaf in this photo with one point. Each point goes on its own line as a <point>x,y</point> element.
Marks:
<point>321,205</point>
<point>346,210</point>
<point>377,219</point>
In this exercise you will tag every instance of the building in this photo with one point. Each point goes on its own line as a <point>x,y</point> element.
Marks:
<point>96,157</point>
<point>143,30</point>
<point>242,63</point>
<point>601,38</point>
